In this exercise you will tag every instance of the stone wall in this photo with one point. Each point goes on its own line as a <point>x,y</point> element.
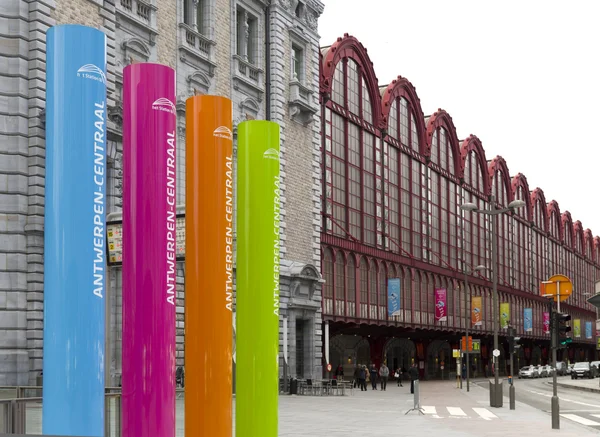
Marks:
<point>150,31</point>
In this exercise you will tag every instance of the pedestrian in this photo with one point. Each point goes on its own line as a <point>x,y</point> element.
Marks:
<point>399,375</point>
<point>464,371</point>
<point>384,374</point>
<point>357,376</point>
<point>373,375</point>
<point>362,377</point>
<point>414,376</point>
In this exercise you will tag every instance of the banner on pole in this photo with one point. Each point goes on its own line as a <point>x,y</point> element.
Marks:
<point>440,305</point>
<point>504,315</point>
<point>577,328</point>
<point>588,330</point>
<point>546,320</point>
<point>393,297</point>
<point>528,319</point>
<point>476,317</point>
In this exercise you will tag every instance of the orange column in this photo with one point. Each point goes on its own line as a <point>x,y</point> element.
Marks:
<point>208,267</point>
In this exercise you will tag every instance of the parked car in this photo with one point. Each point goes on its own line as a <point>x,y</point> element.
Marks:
<point>561,368</point>
<point>548,369</point>
<point>528,372</point>
<point>570,368</point>
<point>597,365</point>
<point>583,370</point>
<point>542,371</point>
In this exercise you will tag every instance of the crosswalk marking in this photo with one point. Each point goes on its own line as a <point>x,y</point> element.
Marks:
<point>581,420</point>
<point>485,413</point>
<point>456,411</point>
<point>595,415</point>
<point>429,410</point>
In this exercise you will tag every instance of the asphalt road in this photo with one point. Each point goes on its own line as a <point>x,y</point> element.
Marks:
<point>575,405</point>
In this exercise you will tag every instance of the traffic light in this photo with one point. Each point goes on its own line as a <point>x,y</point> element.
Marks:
<point>560,330</point>
<point>517,341</point>
<point>511,340</point>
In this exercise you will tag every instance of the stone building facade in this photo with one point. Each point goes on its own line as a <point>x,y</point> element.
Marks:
<point>261,54</point>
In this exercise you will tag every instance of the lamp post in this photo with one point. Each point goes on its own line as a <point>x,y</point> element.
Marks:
<point>496,395</point>
<point>467,321</point>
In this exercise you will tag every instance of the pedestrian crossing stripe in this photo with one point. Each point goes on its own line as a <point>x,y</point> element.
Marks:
<point>457,412</point>
<point>582,420</point>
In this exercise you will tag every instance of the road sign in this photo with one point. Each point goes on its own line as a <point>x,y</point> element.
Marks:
<point>455,353</point>
<point>565,287</point>
<point>496,353</point>
<point>329,367</point>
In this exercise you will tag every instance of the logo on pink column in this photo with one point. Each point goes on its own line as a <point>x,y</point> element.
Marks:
<point>165,105</point>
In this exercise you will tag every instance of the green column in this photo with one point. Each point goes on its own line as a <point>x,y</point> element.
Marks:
<point>257,280</point>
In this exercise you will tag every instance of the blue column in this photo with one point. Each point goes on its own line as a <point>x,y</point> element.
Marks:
<point>74,232</point>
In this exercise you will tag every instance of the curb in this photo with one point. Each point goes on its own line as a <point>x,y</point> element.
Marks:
<point>577,387</point>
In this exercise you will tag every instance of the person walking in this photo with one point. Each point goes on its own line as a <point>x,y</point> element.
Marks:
<point>362,378</point>
<point>373,372</point>
<point>414,376</point>
<point>384,374</point>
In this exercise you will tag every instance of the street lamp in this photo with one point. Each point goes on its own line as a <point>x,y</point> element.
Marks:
<point>467,321</point>
<point>496,398</point>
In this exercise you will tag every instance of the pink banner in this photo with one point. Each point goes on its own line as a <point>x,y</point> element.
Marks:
<point>546,323</point>
<point>440,305</point>
<point>149,252</point>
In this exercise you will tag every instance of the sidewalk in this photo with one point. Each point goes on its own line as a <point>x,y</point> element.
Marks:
<point>591,385</point>
<point>450,411</point>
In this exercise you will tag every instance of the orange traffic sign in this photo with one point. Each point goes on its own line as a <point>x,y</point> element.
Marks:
<point>558,285</point>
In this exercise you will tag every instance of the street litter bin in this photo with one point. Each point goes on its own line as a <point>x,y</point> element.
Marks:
<point>294,386</point>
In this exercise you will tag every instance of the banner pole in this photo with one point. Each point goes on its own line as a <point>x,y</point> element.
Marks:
<point>149,250</point>
<point>74,232</point>
<point>257,278</point>
<point>209,267</point>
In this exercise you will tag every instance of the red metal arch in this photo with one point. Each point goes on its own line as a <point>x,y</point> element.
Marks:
<point>538,196</point>
<point>441,118</point>
<point>567,225</point>
<point>588,241</point>
<point>553,207</point>
<point>350,47</point>
<point>496,164</point>
<point>473,144</point>
<point>596,249</point>
<point>401,87</point>
<point>521,181</point>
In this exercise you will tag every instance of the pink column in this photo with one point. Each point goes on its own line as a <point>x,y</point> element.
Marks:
<point>149,256</point>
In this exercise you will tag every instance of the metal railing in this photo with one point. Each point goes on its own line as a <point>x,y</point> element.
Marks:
<point>21,410</point>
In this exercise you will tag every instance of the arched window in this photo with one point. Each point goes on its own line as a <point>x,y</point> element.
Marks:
<point>373,290</point>
<point>382,302</point>
<point>473,241</point>
<point>353,188</point>
<point>340,275</point>
<point>521,239</point>
<point>351,280</point>
<point>405,181</point>
<point>500,193</point>
<point>364,288</point>
<point>328,285</point>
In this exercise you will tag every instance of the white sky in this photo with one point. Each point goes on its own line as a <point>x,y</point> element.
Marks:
<point>521,75</point>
